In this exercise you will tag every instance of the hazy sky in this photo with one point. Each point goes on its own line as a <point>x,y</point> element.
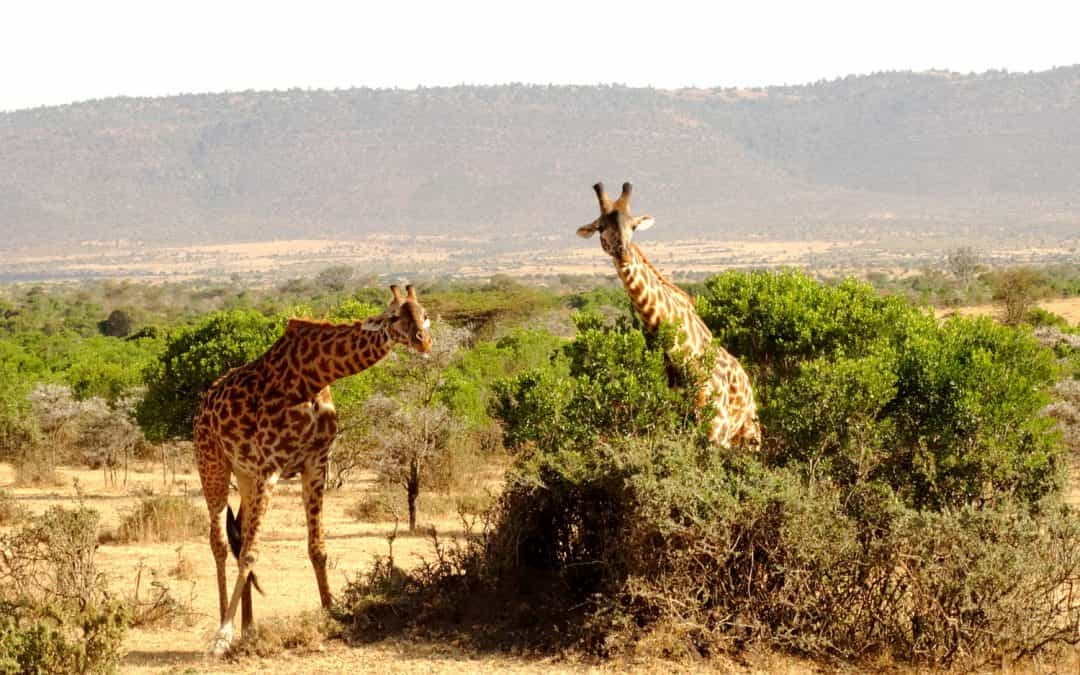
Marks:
<point>57,52</point>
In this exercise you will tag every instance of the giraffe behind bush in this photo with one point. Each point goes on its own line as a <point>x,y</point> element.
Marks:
<point>727,387</point>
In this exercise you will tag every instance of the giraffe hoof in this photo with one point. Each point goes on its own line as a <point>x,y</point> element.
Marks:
<point>221,642</point>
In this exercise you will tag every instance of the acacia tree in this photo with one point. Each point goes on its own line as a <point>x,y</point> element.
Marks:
<point>408,443</point>
<point>410,431</point>
<point>1016,291</point>
<point>963,263</point>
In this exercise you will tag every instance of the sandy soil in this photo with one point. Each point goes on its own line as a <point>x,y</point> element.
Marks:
<point>474,256</point>
<point>1069,308</point>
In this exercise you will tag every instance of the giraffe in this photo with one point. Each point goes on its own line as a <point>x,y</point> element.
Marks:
<point>274,418</point>
<point>656,300</point>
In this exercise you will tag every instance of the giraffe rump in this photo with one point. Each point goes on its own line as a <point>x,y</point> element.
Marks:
<point>236,539</point>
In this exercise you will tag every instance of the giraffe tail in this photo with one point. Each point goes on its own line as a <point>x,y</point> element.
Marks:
<point>236,541</point>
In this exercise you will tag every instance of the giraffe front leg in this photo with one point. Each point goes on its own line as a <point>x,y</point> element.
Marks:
<point>314,487</point>
<point>255,496</point>
<point>214,473</point>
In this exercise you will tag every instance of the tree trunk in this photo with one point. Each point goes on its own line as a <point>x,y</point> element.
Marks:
<point>413,488</point>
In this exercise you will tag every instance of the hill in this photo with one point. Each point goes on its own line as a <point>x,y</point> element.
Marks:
<point>995,154</point>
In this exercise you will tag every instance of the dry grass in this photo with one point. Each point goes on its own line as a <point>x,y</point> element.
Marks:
<point>153,603</point>
<point>11,511</point>
<point>35,466</point>
<point>386,506</point>
<point>184,568</point>
<point>162,518</point>
<point>304,632</point>
<point>377,507</point>
<point>1067,308</point>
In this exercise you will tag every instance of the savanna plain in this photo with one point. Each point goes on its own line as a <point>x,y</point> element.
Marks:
<point>535,497</point>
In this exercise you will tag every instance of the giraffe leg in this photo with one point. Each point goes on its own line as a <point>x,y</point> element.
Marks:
<point>214,473</point>
<point>314,486</point>
<point>247,612</point>
<point>247,615</point>
<point>255,502</point>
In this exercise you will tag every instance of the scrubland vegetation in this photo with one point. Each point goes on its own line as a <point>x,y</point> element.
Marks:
<point>908,502</point>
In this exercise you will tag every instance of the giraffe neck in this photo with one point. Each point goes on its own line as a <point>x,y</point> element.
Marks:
<point>656,300</point>
<point>645,286</point>
<point>311,355</point>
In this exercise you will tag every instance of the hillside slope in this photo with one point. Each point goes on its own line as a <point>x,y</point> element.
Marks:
<point>994,153</point>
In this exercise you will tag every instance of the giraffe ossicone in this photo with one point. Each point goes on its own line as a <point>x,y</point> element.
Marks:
<point>725,386</point>
<point>274,418</point>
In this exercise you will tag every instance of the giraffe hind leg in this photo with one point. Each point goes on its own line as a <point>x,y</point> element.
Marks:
<point>236,540</point>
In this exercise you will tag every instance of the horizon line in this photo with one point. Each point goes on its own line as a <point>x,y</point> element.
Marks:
<point>493,85</point>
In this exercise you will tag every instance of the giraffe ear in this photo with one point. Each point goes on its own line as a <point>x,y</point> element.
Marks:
<point>586,231</point>
<point>642,223</point>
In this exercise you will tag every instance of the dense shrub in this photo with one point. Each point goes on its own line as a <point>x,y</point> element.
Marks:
<point>612,381</point>
<point>862,386</point>
<point>903,507</point>
<point>37,640</point>
<point>193,358</point>
<point>467,386</point>
<point>949,416</point>
<point>774,321</point>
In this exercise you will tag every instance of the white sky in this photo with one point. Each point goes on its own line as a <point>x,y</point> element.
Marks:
<point>56,52</point>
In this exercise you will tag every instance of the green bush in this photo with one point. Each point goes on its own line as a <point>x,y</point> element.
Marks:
<point>611,381</point>
<point>903,507</point>
<point>467,387</point>
<point>37,640</point>
<point>952,415</point>
<point>862,386</point>
<point>774,321</point>
<point>192,359</point>
<point>968,413</point>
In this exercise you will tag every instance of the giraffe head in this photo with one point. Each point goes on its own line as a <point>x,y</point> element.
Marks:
<point>407,321</point>
<point>615,224</point>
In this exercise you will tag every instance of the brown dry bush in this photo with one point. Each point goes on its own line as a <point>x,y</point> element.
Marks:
<point>1066,410</point>
<point>156,605</point>
<point>184,568</point>
<point>162,518</point>
<point>376,507</point>
<point>51,560</point>
<point>670,548</point>
<point>303,632</point>
<point>388,506</point>
<point>35,466</point>
<point>11,511</point>
<point>56,614</point>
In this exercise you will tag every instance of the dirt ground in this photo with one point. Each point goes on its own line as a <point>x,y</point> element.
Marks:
<point>1068,308</point>
<point>286,576</point>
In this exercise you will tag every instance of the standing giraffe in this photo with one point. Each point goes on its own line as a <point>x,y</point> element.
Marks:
<point>274,418</point>
<point>656,300</point>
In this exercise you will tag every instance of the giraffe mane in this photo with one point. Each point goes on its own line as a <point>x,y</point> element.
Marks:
<point>659,275</point>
